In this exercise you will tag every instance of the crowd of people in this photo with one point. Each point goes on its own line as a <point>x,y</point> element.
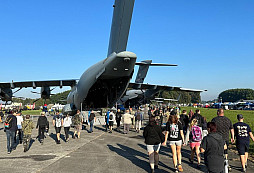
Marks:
<point>167,127</point>
<point>18,128</point>
<point>210,138</point>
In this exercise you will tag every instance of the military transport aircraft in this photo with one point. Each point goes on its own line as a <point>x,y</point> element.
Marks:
<point>134,97</point>
<point>104,83</point>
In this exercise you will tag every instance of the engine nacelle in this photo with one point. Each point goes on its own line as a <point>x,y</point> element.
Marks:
<point>45,92</point>
<point>69,109</point>
<point>5,94</point>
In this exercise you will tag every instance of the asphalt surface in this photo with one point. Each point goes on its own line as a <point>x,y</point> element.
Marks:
<point>94,152</point>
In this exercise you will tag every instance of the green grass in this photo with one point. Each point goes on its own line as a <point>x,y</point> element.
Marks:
<point>231,114</point>
<point>32,112</point>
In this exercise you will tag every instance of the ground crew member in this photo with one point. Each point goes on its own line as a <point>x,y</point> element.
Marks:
<point>27,126</point>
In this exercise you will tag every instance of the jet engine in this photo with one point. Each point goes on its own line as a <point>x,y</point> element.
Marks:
<point>45,92</point>
<point>69,109</point>
<point>5,94</point>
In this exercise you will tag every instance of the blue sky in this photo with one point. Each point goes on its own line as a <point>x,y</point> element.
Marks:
<point>211,41</point>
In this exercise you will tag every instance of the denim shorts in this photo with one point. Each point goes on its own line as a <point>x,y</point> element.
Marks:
<point>151,148</point>
<point>177,143</point>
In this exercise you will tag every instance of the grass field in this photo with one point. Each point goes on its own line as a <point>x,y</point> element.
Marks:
<point>231,114</point>
<point>31,112</point>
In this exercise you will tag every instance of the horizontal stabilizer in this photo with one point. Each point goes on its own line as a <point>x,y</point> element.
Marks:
<point>155,64</point>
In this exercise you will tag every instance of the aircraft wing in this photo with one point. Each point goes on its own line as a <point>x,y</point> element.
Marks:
<point>161,87</point>
<point>34,84</point>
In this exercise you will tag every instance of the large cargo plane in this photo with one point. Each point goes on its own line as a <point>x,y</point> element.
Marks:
<point>104,83</point>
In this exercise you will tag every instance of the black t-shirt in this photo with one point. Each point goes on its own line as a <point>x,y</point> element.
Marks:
<point>223,126</point>
<point>174,131</point>
<point>118,116</point>
<point>91,117</point>
<point>184,119</point>
<point>213,144</point>
<point>242,131</point>
<point>200,119</point>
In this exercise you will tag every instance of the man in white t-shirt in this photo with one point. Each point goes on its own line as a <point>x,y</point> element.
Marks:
<point>19,121</point>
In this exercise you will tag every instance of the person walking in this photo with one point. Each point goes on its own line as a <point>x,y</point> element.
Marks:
<point>57,123</point>
<point>118,119</point>
<point>194,135</point>
<point>184,119</point>
<point>174,133</point>
<point>10,127</point>
<point>243,134</point>
<point>19,121</point>
<point>111,120</point>
<point>107,121</point>
<point>213,146</point>
<point>224,125</point>
<point>127,121</point>
<point>67,124</point>
<point>191,113</point>
<point>27,126</point>
<point>92,119</point>
<point>153,139</point>
<point>42,123</point>
<point>77,121</point>
<point>138,119</point>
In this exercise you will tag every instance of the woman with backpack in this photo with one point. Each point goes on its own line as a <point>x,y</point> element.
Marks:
<point>118,119</point>
<point>153,139</point>
<point>57,123</point>
<point>42,125</point>
<point>67,124</point>
<point>194,135</point>
<point>111,120</point>
<point>174,133</point>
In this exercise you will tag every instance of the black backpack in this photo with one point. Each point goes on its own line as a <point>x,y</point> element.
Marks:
<point>138,116</point>
<point>111,117</point>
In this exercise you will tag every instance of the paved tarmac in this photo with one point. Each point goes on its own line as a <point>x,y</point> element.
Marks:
<point>94,152</point>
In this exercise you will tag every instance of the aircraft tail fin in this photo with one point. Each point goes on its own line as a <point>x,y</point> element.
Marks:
<point>120,25</point>
<point>143,69</point>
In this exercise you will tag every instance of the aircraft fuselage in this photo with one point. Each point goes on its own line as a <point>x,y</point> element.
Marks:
<point>104,83</point>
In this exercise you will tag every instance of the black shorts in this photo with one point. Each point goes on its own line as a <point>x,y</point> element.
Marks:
<point>111,123</point>
<point>242,148</point>
<point>58,129</point>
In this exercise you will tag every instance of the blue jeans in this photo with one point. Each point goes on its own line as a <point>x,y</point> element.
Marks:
<point>10,140</point>
<point>91,125</point>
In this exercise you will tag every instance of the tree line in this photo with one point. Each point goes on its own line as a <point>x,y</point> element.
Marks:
<point>57,98</point>
<point>233,95</point>
<point>185,97</point>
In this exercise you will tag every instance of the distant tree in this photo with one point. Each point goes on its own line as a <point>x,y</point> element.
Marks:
<point>186,97</point>
<point>233,95</point>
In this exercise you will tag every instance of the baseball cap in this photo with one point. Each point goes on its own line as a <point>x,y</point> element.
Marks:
<point>239,116</point>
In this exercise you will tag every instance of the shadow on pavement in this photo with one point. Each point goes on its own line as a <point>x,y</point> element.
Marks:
<point>132,155</point>
<point>99,128</point>
<point>31,143</point>
<point>53,136</point>
<point>166,151</point>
